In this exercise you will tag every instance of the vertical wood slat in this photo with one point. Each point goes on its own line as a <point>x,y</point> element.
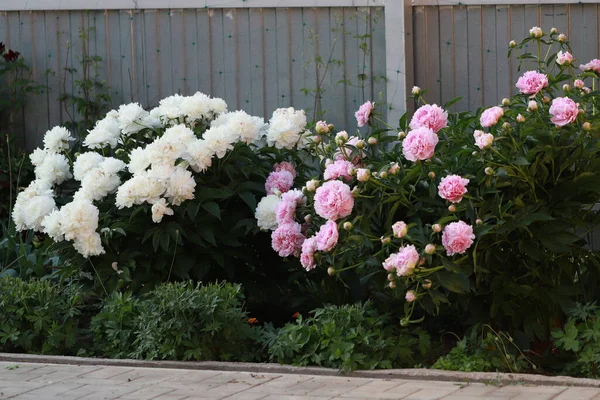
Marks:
<point>216,56</point>
<point>178,53</point>
<point>504,82</point>
<point>378,67</point>
<point>165,54</point>
<point>203,52</point>
<point>351,66</point>
<point>271,60</point>
<point>462,77</point>
<point>446,56</point>
<point>244,66</point>
<point>257,101</point>
<point>490,54</point>
<point>475,57</point>
<point>296,56</point>
<point>433,55</point>
<point>230,57</point>
<point>591,48</point>
<point>309,54</point>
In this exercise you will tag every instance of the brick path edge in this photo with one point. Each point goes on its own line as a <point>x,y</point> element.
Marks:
<point>408,373</point>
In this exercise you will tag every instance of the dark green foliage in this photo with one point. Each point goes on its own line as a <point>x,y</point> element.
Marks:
<point>347,337</point>
<point>38,316</point>
<point>177,321</point>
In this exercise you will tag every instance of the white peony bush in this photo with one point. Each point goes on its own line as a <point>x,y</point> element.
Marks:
<point>141,157</point>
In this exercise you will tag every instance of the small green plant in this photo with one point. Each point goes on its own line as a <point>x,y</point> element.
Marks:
<point>90,98</point>
<point>580,338</point>
<point>347,337</point>
<point>177,321</point>
<point>38,316</point>
<point>485,350</point>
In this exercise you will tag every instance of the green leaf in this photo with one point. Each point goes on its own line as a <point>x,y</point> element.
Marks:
<point>207,235</point>
<point>454,282</point>
<point>249,199</point>
<point>212,208</point>
<point>535,217</point>
<point>192,209</point>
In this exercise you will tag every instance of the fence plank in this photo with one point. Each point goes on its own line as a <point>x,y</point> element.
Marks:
<point>475,32</point>
<point>489,49</point>
<point>230,57</point>
<point>378,68</point>
<point>296,57</point>
<point>178,51</point>
<point>204,52</point>
<point>282,38</point>
<point>244,68</point>
<point>432,23</point>
<point>257,62</point>
<point>309,54</point>
<point>165,54</point>
<point>591,49</point>
<point>462,78</point>
<point>271,59</point>
<point>447,61</point>
<point>502,63</point>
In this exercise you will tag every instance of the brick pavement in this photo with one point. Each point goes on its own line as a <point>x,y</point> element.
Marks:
<point>25,381</point>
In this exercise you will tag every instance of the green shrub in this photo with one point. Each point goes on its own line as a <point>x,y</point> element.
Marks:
<point>38,316</point>
<point>579,339</point>
<point>347,337</point>
<point>177,321</point>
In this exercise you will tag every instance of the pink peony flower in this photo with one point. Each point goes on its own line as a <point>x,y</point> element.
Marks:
<point>579,84</point>
<point>339,169</point>
<point>285,166</point>
<point>419,144</point>
<point>286,209</point>
<point>457,237</point>
<point>410,296</point>
<point>483,140</point>
<point>563,111</point>
<point>280,181</point>
<point>404,261</point>
<point>532,82</point>
<point>327,237</point>
<point>400,229</point>
<point>363,114</point>
<point>431,116</point>
<point>593,65</point>
<point>452,188</point>
<point>334,200</point>
<point>564,58</point>
<point>287,239</point>
<point>491,116</point>
<point>307,256</point>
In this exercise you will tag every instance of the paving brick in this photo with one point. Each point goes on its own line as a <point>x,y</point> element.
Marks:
<point>148,393</point>
<point>337,386</point>
<point>280,384</point>
<point>431,393</point>
<point>53,390</point>
<point>474,389</point>
<point>528,392</point>
<point>294,397</point>
<point>375,389</point>
<point>579,393</point>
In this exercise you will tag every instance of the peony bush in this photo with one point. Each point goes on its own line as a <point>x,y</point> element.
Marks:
<point>488,212</point>
<point>150,196</point>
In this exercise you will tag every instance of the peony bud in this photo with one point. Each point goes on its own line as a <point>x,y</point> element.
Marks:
<point>489,171</point>
<point>422,262</point>
<point>355,191</point>
<point>372,141</point>
<point>478,221</point>
<point>586,90</point>
<point>452,208</point>
<point>546,99</point>
<point>392,285</point>
<point>520,118</point>
<point>383,175</point>
<point>410,296</point>
<point>386,240</point>
<point>399,229</point>
<point>352,171</point>
<point>430,249</point>
<point>390,277</point>
<point>360,144</point>
<point>474,153</point>
<point>431,175</point>
<point>363,174</point>
<point>581,112</point>
<point>427,284</point>
<point>567,87</point>
<point>317,139</point>
<point>553,31</point>
<point>330,126</point>
<point>401,135</point>
<point>578,83</point>
<point>416,91</point>
<point>532,105</point>
<point>312,185</point>
<point>331,271</point>
<point>562,38</point>
<point>340,142</point>
<point>587,126</point>
<point>404,322</point>
<point>506,102</point>
<point>348,225</point>
<point>328,162</point>
<point>308,218</point>
<point>321,127</point>
<point>437,228</point>
<point>506,126</point>
<point>536,32</point>
<point>342,135</point>
<point>394,169</point>
<point>512,44</point>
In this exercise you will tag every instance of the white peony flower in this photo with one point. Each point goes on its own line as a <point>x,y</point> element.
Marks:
<point>199,155</point>
<point>139,189</point>
<point>219,140</point>
<point>55,169</point>
<point>217,106</point>
<point>38,156</point>
<point>57,139</point>
<point>89,245</point>
<point>97,184</point>
<point>244,127</point>
<point>139,160</point>
<point>159,209</point>
<point>52,226</point>
<point>105,133</point>
<point>169,109</point>
<point>181,186</point>
<point>196,107</point>
<point>84,163</point>
<point>286,127</point>
<point>266,212</point>
<point>79,218</point>
<point>179,134</point>
<point>130,118</point>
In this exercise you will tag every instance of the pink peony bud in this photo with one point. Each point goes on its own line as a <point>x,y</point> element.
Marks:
<point>567,87</point>
<point>401,135</point>
<point>363,174</point>
<point>400,229</point>
<point>348,225</point>
<point>564,58</point>
<point>520,118</point>
<point>410,296</point>
<point>553,31</point>
<point>478,221</point>
<point>321,127</point>
<point>416,91</point>
<point>427,284</point>
<point>383,174</point>
<point>331,271</point>
<point>562,38</point>
<point>372,141</point>
<point>394,169</point>
<point>489,171</point>
<point>392,285</point>
<point>532,105</point>
<point>452,208</point>
<point>430,249</point>
<point>342,135</point>
<point>391,277</point>
<point>431,175</point>
<point>579,84</point>
<point>437,228</point>
<point>386,240</point>
<point>506,102</point>
<point>536,32</point>
<point>587,126</point>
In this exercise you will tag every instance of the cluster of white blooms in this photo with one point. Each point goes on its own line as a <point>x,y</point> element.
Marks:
<point>161,170</point>
<point>51,168</point>
<point>266,210</point>
<point>286,128</point>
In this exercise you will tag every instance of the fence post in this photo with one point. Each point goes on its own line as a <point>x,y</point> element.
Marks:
<point>399,56</point>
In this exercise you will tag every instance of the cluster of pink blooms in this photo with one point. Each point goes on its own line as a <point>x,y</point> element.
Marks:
<point>565,58</point>
<point>593,65</point>
<point>491,116</point>
<point>419,144</point>
<point>483,140</point>
<point>364,113</point>
<point>532,82</point>
<point>457,237</point>
<point>281,179</point>
<point>563,111</point>
<point>403,262</point>
<point>433,117</point>
<point>339,169</point>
